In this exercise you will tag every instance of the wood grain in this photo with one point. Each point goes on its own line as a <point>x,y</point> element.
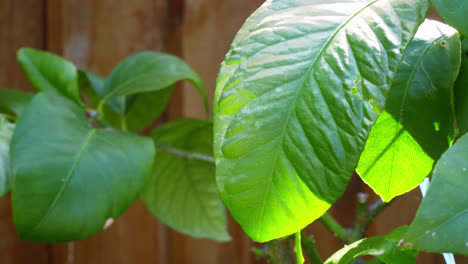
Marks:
<point>21,24</point>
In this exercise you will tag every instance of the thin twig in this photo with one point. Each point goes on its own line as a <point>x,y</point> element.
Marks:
<point>308,243</point>
<point>333,226</point>
<point>184,154</point>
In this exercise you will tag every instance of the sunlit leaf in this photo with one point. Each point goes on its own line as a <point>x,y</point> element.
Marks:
<point>295,101</point>
<point>418,123</point>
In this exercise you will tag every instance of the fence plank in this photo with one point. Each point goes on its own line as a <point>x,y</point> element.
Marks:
<point>21,24</point>
<point>96,35</point>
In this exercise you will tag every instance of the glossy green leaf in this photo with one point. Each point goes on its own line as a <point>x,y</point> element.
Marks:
<point>454,13</point>
<point>143,111</point>
<point>461,92</point>
<point>91,85</point>
<point>6,132</point>
<point>182,192</point>
<point>70,178</point>
<point>50,73</point>
<point>386,248</point>
<point>418,123</point>
<point>13,101</point>
<point>294,104</point>
<point>146,72</point>
<point>441,221</point>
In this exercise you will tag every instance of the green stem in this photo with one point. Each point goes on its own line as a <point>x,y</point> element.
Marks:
<point>308,243</point>
<point>331,224</point>
<point>298,249</point>
<point>375,260</point>
<point>182,153</point>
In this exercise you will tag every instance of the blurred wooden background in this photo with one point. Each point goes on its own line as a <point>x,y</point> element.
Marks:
<point>96,35</point>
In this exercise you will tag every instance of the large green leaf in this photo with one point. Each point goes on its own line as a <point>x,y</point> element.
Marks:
<point>13,101</point>
<point>182,192</point>
<point>6,132</point>
<point>461,92</point>
<point>142,112</point>
<point>441,221</point>
<point>418,123</point>
<point>69,177</point>
<point>386,248</point>
<point>293,104</point>
<point>454,12</point>
<point>50,73</point>
<point>146,72</point>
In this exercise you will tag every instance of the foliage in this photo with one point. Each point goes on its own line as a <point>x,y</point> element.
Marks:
<point>74,166</point>
<point>311,91</point>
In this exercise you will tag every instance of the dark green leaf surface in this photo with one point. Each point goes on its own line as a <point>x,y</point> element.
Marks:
<point>182,193</point>
<point>454,13</point>
<point>6,132</point>
<point>461,92</point>
<point>441,221</point>
<point>143,111</point>
<point>294,105</point>
<point>385,248</point>
<point>418,123</point>
<point>69,177</point>
<point>50,73</point>
<point>146,72</point>
<point>13,101</point>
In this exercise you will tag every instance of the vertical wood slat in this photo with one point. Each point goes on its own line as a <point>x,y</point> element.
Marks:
<point>21,24</point>
<point>97,35</point>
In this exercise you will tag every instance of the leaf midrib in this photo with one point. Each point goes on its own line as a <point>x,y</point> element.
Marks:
<point>67,179</point>
<point>281,138</point>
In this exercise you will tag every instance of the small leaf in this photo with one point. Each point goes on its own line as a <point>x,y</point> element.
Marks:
<point>146,72</point>
<point>50,73</point>
<point>386,248</point>
<point>91,85</point>
<point>143,111</point>
<point>418,123</point>
<point>454,12</point>
<point>13,101</point>
<point>6,132</point>
<point>441,221</point>
<point>69,177</point>
<point>182,192</point>
<point>295,102</point>
<point>461,92</point>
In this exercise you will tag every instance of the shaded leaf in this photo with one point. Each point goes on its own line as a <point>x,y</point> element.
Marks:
<point>13,101</point>
<point>461,92</point>
<point>383,247</point>
<point>6,132</point>
<point>294,105</point>
<point>50,73</point>
<point>143,111</point>
<point>146,72</point>
<point>440,223</point>
<point>69,177</point>
<point>182,192</point>
<point>454,13</point>
<point>418,123</point>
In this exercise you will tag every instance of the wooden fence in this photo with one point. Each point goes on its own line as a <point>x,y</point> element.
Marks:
<point>96,35</point>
